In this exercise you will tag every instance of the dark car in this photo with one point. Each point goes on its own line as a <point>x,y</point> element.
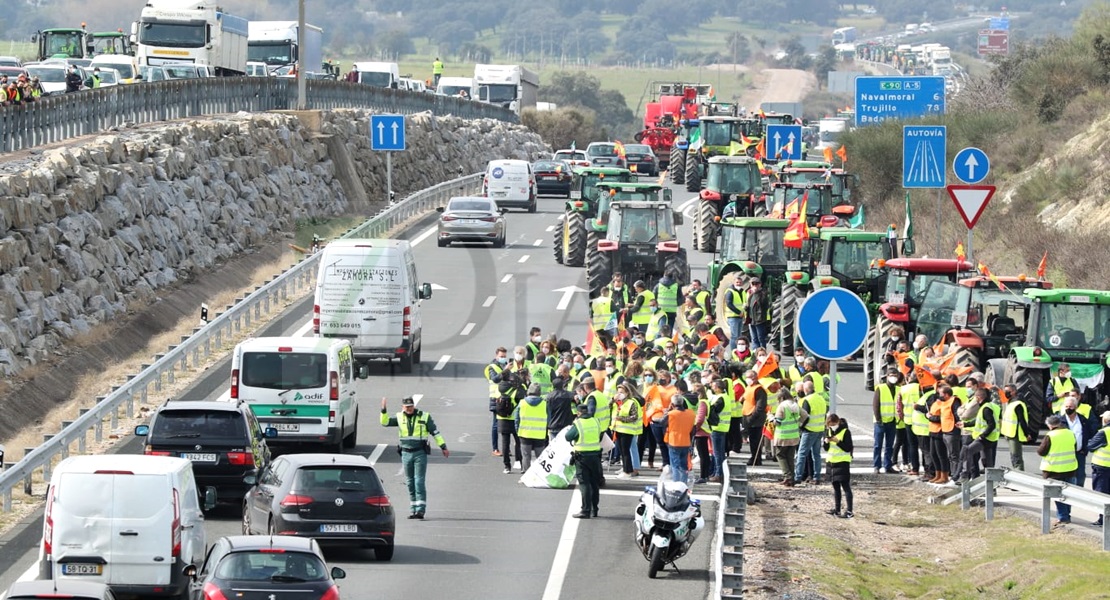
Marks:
<point>553,177</point>
<point>264,567</point>
<point>641,159</point>
<point>222,439</point>
<point>332,498</point>
<point>604,154</point>
<point>73,590</point>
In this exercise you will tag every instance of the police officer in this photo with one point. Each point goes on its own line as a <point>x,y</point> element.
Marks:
<point>414,428</point>
<point>585,436</point>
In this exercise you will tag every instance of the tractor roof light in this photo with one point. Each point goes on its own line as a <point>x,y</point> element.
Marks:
<point>882,262</point>
<point>1021,277</point>
<point>578,204</point>
<point>1037,352</point>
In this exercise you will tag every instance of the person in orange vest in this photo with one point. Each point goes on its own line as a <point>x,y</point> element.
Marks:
<point>943,431</point>
<point>706,342</point>
<point>678,422</point>
<point>754,412</point>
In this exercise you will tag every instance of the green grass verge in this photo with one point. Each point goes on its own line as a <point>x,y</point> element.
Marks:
<point>327,228</point>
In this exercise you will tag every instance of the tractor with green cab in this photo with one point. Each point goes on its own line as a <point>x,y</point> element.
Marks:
<point>729,179</point>
<point>63,42</point>
<point>570,234</point>
<point>636,235</point>
<point>716,136</point>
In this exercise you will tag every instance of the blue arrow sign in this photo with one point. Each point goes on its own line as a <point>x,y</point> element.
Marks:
<point>881,98</point>
<point>833,323</point>
<point>1000,23</point>
<point>387,132</point>
<point>784,139</point>
<point>923,156</point>
<point>971,165</point>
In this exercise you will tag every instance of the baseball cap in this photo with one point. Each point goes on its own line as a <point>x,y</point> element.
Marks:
<point>408,402</point>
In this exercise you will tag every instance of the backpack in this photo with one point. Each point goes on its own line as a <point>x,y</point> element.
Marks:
<point>504,406</point>
<point>714,416</point>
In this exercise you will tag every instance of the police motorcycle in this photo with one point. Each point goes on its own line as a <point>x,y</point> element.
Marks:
<point>667,523</point>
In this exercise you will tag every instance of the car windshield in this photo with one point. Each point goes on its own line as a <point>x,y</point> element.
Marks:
<point>344,479</point>
<point>199,423</point>
<point>108,77</point>
<point>270,565</point>
<point>284,370</point>
<point>453,90</point>
<point>125,70</point>
<point>469,205</point>
<point>637,149</point>
<point>1074,326</point>
<point>561,155</point>
<point>271,53</point>
<point>602,150</point>
<point>47,75</point>
<point>377,79</point>
<point>181,72</point>
<point>717,133</point>
<point>497,92</point>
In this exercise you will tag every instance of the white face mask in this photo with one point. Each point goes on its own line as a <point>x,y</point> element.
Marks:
<point>639,340</point>
<point>895,338</point>
<point>518,356</point>
<point>621,396</point>
<point>919,345</point>
<point>610,370</point>
<point>741,347</point>
<point>892,380</point>
<point>537,338</point>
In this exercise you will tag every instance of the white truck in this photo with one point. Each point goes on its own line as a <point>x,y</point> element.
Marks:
<point>940,57</point>
<point>275,43</point>
<point>510,86</point>
<point>828,132</point>
<point>378,74</point>
<point>191,31</point>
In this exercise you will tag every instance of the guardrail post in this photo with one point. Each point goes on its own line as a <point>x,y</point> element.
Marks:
<point>8,501</point>
<point>115,411</point>
<point>65,446</point>
<point>98,426</point>
<point>1047,494</point>
<point>994,476</point>
<point>27,477</point>
<point>46,437</point>
<point>81,441</point>
<point>1106,527</point>
<point>184,355</point>
<point>732,548</point>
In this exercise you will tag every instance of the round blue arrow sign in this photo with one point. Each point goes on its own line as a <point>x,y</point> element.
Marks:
<point>971,165</point>
<point>833,323</point>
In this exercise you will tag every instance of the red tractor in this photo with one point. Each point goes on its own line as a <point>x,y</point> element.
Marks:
<point>662,119</point>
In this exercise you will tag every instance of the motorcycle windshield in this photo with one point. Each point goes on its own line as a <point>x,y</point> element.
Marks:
<point>673,499</point>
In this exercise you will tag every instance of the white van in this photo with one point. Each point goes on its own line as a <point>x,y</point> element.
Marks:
<point>511,183</point>
<point>127,66</point>
<point>130,521</point>
<point>451,86</point>
<point>303,387</point>
<point>367,293</point>
<point>379,74</point>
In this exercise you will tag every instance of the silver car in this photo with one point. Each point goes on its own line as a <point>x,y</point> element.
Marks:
<point>471,219</point>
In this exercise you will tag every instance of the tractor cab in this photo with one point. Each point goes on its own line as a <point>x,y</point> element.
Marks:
<point>746,243</point>
<point>583,187</point>
<point>641,222</point>
<point>822,209</point>
<point>627,194</point>
<point>733,178</point>
<point>907,280</point>
<point>66,42</point>
<point>852,257</point>
<point>640,240</point>
<point>842,182</point>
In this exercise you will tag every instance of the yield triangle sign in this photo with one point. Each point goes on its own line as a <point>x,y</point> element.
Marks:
<point>971,200</point>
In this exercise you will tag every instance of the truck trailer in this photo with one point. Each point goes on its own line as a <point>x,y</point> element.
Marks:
<point>191,31</point>
<point>510,86</point>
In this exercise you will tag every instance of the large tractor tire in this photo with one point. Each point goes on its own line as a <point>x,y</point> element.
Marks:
<point>574,251</point>
<point>557,242</point>
<point>719,298</point>
<point>966,357</point>
<point>599,269</point>
<point>705,229</point>
<point>677,165</point>
<point>679,264</point>
<point>873,368</point>
<point>789,301</point>
<point>870,350</point>
<point>693,175</point>
<point>1030,385</point>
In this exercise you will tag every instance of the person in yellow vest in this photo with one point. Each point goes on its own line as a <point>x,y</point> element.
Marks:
<point>639,312</point>
<point>1062,383</point>
<point>414,426</point>
<point>735,301</point>
<point>691,315</point>
<point>585,437</point>
<point>838,448</point>
<point>788,434</point>
<point>966,415</point>
<point>437,71</point>
<point>620,295</point>
<point>984,436</point>
<point>1058,460</point>
<point>628,423</point>
<point>1099,447</point>
<point>814,375</point>
<point>702,297</point>
<point>531,426</point>
<point>668,292</point>
<point>603,317</point>
<point>883,405</point>
<point>815,407</point>
<point>657,322</point>
<point>720,410</point>
<point>917,426</point>
<point>1015,427</point>
<point>540,371</point>
<point>532,348</point>
<point>493,377</point>
<point>797,370</point>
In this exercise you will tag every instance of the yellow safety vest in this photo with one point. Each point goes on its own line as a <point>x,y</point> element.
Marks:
<point>602,308</point>
<point>511,396</point>
<point>1101,457</point>
<point>419,431</point>
<point>629,408</point>
<point>886,403</point>
<point>533,421</point>
<point>787,429</point>
<point>668,297</point>
<point>1010,429</point>
<point>739,299</point>
<point>1060,388</point>
<point>910,392</point>
<point>603,410</point>
<point>493,369</point>
<point>960,392</point>
<point>700,298</point>
<point>642,316</point>
<point>542,373</point>
<point>655,325</point>
<point>977,430</point>
<point>437,68</point>
<point>589,435</point>
<point>919,421</point>
<point>836,454</point>
<point>818,408</point>
<point>1061,452</point>
<point>818,382</point>
<point>725,415</point>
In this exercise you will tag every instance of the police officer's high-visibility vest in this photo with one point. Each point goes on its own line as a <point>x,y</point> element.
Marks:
<point>602,308</point>
<point>836,454</point>
<point>589,435</point>
<point>787,429</point>
<point>655,325</point>
<point>1101,457</point>
<point>1061,452</point>
<point>533,421</point>
<point>737,298</point>
<point>1010,428</point>
<point>603,410</point>
<point>419,431</point>
<point>628,408</point>
<point>818,381</point>
<point>1060,388</point>
<point>980,423</point>
<point>725,414</point>
<point>643,315</point>
<point>919,422</point>
<point>886,403</point>
<point>818,408</point>
<point>542,373</point>
<point>668,297</point>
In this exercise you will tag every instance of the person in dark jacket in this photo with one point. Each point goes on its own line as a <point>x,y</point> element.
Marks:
<point>73,80</point>
<point>838,445</point>
<point>560,404</point>
<point>757,313</point>
<point>986,427</point>
<point>511,387</point>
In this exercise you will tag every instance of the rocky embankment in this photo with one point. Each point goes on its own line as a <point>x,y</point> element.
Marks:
<point>89,229</point>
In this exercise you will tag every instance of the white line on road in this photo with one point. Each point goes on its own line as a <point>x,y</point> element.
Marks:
<point>506,278</point>
<point>686,204</point>
<point>466,330</point>
<point>537,243</point>
<point>423,236</point>
<point>550,228</point>
<point>31,573</point>
<point>523,258</point>
<point>442,362</point>
<point>561,562</point>
<point>489,301</point>
<point>303,330</point>
<point>376,454</point>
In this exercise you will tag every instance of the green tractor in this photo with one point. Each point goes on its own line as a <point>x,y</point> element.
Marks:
<point>110,42</point>
<point>729,179</point>
<point>635,235</point>
<point>570,235</point>
<point>819,172</point>
<point>1063,325</point>
<point>717,136</point>
<point>822,207</point>
<point>63,42</point>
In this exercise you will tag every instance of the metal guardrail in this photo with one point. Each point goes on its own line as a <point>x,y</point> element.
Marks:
<point>1047,490</point>
<point>207,340</point>
<point>65,116</point>
<point>729,544</point>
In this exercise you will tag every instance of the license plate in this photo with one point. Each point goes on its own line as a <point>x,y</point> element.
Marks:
<point>199,456</point>
<point>339,528</point>
<point>287,426</point>
<point>603,161</point>
<point>824,270</point>
<point>499,194</point>
<point>469,221</point>
<point>793,265</point>
<point>82,569</point>
<point>549,178</point>
<point>897,298</point>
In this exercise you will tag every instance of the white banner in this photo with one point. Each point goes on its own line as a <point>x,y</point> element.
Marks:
<point>553,469</point>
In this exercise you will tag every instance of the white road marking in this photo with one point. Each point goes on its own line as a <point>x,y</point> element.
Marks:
<point>686,204</point>
<point>561,562</point>
<point>442,362</point>
<point>506,278</point>
<point>376,454</point>
<point>523,258</point>
<point>423,236</point>
<point>31,573</point>
<point>416,398</point>
<point>550,228</point>
<point>561,217</point>
<point>466,330</point>
<point>489,301</point>
<point>537,243</point>
<point>302,331</point>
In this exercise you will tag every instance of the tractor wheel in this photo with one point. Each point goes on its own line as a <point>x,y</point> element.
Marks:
<point>966,357</point>
<point>788,303</point>
<point>693,175</point>
<point>705,229</point>
<point>678,165</point>
<point>995,373</point>
<point>1030,385</point>
<point>575,249</point>
<point>678,264</point>
<point>882,328</point>
<point>759,209</point>
<point>599,269</point>
<point>719,298</point>
<point>557,244</point>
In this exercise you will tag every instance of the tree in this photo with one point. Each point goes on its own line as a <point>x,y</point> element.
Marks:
<point>739,48</point>
<point>561,127</point>
<point>450,36</point>
<point>472,51</point>
<point>396,43</point>
<point>827,60</point>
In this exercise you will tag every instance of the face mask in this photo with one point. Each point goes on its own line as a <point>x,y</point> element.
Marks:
<point>649,378</point>
<point>895,338</point>
<point>1065,375</point>
<point>750,381</point>
<point>578,367</point>
<point>639,340</point>
<point>741,347</point>
<point>502,359</point>
<point>655,309</point>
<point>610,370</point>
<point>537,338</point>
<point>518,356</point>
<point>622,396</point>
<point>1070,411</point>
<point>892,380</point>
<point>919,345</point>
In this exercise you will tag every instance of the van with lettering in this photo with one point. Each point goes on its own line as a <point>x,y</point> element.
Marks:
<point>367,293</point>
<point>303,387</point>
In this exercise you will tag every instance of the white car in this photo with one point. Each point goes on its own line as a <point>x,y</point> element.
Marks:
<point>52,76</point>
<point>10,61</point>
<point>108,78</point>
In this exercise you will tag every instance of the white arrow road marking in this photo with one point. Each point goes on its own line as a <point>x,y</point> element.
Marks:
<point>568,293</point>
<point>834,317</point>
<point>442,362</point>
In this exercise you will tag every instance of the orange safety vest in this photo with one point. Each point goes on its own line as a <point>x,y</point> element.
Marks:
<point>711,342</point>
<point>749,399</point>
<point>653,408</point>
<point>679,425</point>
<point>943,409</point>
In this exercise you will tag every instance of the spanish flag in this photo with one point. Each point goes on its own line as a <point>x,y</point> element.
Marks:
<point>761,149</point>
<point>960,252</point>
<point>762,115</point>
<point>619,147</point>
<point>987,273</point>
<point>828,151</point>
<point>797,232</point>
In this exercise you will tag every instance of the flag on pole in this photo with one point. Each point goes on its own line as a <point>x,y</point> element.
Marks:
<point>960,252</point>
<point>1041,268</point>
<point>828,152</point>
<point>857,219</point>
<point>572,147</point>
<point>983,270</point>
<point>619,147</point>
<point>907,227</point>
<point>761,149</point>
<point>797,232</point>
<point>842,152</point>
<point>767,366</point>
<point>762,115</point>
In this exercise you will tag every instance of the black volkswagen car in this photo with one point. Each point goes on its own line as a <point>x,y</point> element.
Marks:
<point>552,177</point>
<point>332,498</point>
<point>264,568</point>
